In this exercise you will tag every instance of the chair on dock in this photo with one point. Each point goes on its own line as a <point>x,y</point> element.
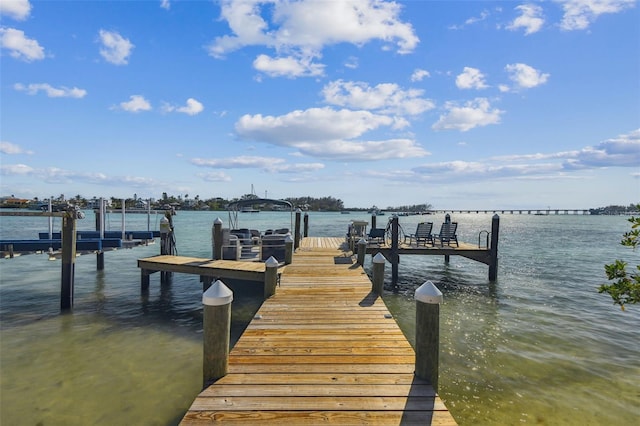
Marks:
<point>422,234</point>
<point>376,235</point>
<point>447,234</point>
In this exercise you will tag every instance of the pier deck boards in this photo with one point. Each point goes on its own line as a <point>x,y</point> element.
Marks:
<point>322,350</point>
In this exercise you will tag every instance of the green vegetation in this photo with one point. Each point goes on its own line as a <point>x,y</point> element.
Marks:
<point>625,288</point>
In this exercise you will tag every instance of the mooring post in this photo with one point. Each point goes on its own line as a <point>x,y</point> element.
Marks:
<point>306,225</point>
<point>288,249</point>
<point>373,221</point>
<point>447,221</point>
<point>270,277</point>
<point>395,257</point>
<point>362,251</point>
<point>217,239</point>
<point>378,273</point>
<point>216,331</point>
<point>493,264</point>
<point>68,259</point>
<point>296,242</point>
<point>428,299</point>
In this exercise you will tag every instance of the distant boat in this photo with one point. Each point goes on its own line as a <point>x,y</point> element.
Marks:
<point>249,209</point>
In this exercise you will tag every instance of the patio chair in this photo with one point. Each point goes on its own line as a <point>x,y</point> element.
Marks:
<point>422,234</point>
<point>447,234</point>
<point>376,235</point>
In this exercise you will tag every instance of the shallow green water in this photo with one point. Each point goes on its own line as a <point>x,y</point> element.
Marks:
<point>539,346</point>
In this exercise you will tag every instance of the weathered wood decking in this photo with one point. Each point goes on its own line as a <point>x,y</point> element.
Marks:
<point>322,350</point>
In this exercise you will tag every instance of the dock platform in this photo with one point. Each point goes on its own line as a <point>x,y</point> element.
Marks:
<point>323,350</point>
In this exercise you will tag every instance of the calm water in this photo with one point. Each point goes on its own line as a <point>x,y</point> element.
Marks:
<point>539,346</point>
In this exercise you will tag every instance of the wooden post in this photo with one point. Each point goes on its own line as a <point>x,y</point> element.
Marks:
<point>288,249</point>
<point>68,259</point>
<point>270,277</point>
<point>378,273</point>
<point>428,299</point>
<point>10,248</point>
<point>306,225</point>
<point>362,251</point>
<point>296,241</point>
<point>373,221</point>
<point>145,278</point>
<point>217,239</point>
<point>100,260</point>
<point>216,332</point>
<point>493,265</point>
<point>395,257</point>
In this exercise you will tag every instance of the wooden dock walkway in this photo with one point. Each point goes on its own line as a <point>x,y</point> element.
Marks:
<point>322,350</point>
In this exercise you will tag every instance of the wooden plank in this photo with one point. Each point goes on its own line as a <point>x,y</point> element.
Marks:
<point>323,349</point>
<point>302,418</point>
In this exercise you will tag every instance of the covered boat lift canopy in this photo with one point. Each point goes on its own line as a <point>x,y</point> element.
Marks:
<point>236,206</point>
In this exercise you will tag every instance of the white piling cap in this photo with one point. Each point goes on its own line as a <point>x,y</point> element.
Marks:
<point>217,295</point>
<point>288,238</point>
<point>428,293</point>
<point>271,262</point>
<point>379,258</point>
<point>218,221</point>
<point>362,241</point>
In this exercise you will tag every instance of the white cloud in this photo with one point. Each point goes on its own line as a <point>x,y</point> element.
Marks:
<point>20,46</point>
<point>136,103</point>
<point>115,48</point>
<point>214,177</point>
<point>267,164</point>
<point>474,19</point>
<point>579,14</point>
<point>327,133</point>
<point>301,29</point>
<point>623,151</point>
<point>531,19</point>
<point>15,169</point>
<point>471,78</point>
<point>477,112</point>
<point>419,74</point>
<point>193,107</point>
<point>165,4</point>
<point>16,9</point>
<point>385,97</point>
<point>12,149</point>
<point>52,92</point>
<point>525,76</point>
<point>287,66</point>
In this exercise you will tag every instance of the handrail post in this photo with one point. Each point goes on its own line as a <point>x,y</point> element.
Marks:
<point>216,332</point>
<point>378,273</point>
<point>428,299</point>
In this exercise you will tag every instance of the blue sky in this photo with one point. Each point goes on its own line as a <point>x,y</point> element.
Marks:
<point>460,104</point>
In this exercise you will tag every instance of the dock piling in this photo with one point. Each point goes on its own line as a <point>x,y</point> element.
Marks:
<point>378,273</point>
<point>362,251</point>
<point>493,253</point>
<point>428,299</point>
<point>270,277</point>
<point>296,242</point>
<point>288,249</point>
<point>68,259</point>
<point>306,225</point>
<point>216,331</point>
<point>217,239</point>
